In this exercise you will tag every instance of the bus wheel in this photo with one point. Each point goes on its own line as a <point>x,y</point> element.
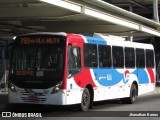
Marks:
<point>85,102</point>
<point>133,96</point>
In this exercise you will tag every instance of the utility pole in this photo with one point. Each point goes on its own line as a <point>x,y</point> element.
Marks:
<point>155,10</point>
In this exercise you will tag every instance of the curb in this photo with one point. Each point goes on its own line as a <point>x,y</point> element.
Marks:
<point>3,92</point>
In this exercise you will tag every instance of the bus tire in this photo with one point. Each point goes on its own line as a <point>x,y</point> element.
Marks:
<point>133,95</point>
<point>85,101</point>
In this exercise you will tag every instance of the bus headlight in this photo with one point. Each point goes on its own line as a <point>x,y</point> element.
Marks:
<point>56,88</point>
<point>11,87</point>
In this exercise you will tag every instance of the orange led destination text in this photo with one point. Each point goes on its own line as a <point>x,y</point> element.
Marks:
<point>48,40</point>
<point>24,72</point>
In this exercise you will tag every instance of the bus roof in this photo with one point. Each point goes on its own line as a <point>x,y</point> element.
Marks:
<point>117,41</point>
<point>98,39</point>
<point>44,33</point>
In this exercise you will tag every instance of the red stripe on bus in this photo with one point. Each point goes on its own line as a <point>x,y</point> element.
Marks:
<point>151,74</point>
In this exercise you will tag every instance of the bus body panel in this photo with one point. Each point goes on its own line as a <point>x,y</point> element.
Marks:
<point>37,96</point>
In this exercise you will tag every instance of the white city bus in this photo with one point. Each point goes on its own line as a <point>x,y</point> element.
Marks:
<point>67,69</point>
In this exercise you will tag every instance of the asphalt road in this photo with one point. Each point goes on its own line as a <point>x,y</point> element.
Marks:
<point>146,107</point>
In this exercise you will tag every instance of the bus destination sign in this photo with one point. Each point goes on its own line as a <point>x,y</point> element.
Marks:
<point>39,40</point>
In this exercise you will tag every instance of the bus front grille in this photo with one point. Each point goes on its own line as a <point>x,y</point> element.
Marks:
<point>30,99</point>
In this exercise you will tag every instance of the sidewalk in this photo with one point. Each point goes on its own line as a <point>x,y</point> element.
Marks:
<point>157,89</point>
<point>3,92</point>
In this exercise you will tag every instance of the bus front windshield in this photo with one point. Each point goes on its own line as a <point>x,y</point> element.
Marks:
<point>37,64</point>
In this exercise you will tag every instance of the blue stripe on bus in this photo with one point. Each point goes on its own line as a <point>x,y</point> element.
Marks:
<point>142,76</point>
<point>107,77</point>
<point>96,40</point>
<point>110,77</point>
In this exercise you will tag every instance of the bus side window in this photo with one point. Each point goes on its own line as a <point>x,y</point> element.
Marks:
<point>149,58</point>
<point>118,57</point>
<point>90,55</point>
<point>104,56</point>
<point>74,61</point>
<point>129,57</point>
<point>140,58</point>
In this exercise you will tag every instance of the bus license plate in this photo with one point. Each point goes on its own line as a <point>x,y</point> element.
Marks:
<point>33,98</point>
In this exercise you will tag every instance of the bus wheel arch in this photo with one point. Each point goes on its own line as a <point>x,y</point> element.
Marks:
<point>136,84</point>
<point>133,94</point>
<point>87,98</point>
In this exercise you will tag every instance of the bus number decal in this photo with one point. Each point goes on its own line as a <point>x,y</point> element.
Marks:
<point>24,72</point>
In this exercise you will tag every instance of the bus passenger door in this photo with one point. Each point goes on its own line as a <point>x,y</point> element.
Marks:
<point>74,69</point>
